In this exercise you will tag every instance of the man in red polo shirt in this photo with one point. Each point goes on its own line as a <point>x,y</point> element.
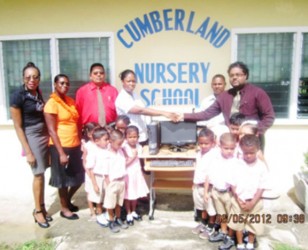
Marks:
<point>88,102</point>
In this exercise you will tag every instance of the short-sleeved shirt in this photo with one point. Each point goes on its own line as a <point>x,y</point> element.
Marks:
<point>67,123</point>
<point>221,171</point>
<point>87,104</point>
<point>97,159</point>
<point>31,106</point>
<point>248,178</point>
<point>124,103</point>
<point>116,165</point>
<point>202,166</point>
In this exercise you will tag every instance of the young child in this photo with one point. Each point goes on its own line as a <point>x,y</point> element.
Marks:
<point>218,176</point>
<point>235,122</point>
<point>88,145</point>
<point>206,143</point>
<point>122,123</point>
<point>135,185</point>
<point>95,164</point>
<point>248,183</point>
<point>114,181</point>
<point>249,127</point>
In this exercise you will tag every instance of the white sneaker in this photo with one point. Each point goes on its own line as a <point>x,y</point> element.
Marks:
<point>92,218</point>
<point>130,220</point>
<point>102,220</point>
<point>136,216</point>
<point>207,232</point>
<point>198,229</point>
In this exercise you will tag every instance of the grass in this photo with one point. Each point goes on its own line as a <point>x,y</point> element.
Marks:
<point>30,245</point>
<point>282,246</point>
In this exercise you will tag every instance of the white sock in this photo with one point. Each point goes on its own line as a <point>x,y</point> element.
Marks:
<point>249,246</point>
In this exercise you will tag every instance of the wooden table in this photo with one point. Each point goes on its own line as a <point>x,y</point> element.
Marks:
<point>171,177</point>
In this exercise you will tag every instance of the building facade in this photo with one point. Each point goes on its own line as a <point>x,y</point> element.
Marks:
<point>175,47</point>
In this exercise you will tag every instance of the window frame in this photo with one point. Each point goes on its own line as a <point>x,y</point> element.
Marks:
<point>54,57</point>
<point>296,64</point>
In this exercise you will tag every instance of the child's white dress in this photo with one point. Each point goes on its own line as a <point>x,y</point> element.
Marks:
<point>135,184</point>
<point>89,147</point>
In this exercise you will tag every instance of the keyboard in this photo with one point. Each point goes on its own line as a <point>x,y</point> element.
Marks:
<point>172,163</point>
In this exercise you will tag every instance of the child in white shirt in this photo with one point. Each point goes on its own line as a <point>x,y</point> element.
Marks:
<point>95,163</point>
<point>218,180</point>
<point>114,181</point>
<point>248,183</point>
<point>206,143</point>
<point>88,145</point>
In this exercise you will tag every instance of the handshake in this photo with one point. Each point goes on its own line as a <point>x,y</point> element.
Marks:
<point>175,117</point>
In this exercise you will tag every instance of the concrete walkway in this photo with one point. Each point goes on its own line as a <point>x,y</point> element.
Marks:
<point>171,228</point>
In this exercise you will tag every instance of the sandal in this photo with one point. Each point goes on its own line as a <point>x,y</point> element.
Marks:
<point>46,215</point>
<point>44,224</point>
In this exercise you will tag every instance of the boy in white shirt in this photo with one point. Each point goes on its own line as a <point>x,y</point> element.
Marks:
<point>206,143</point>
<point>248,183</point>
<point>95,163</point>
<point>114,180</point>
<point>218,180</point>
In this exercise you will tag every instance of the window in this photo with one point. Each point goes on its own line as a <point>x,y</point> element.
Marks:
<point>302,110</point>
<point>278,62</point>
<point>68,54</point>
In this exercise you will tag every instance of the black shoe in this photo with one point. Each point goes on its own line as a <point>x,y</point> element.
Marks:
<point>130,222</point>
<point>72,217</point>
<point>46,215</point>
<point>41,224</point>
<point>73,208</point>
<point>120,223</point>
<point>48,218</point>
<point>113,227</point>
<point>228,243</point>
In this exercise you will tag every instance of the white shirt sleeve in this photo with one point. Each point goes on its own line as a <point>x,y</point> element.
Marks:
<point>124,102</point>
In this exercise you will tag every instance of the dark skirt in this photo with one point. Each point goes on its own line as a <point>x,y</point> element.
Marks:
<point>70,176</point>
<point>37,137</point>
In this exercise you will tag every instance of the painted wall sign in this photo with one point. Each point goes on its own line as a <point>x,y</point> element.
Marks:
<point>172,20</point>
<point>174,82</point>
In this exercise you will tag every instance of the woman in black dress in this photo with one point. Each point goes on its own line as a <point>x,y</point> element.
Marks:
<point>26,107</point>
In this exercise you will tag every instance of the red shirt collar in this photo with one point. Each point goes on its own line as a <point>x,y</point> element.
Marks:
<point>94,86</point>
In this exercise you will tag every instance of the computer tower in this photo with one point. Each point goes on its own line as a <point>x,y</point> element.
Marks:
<point>154,137</point>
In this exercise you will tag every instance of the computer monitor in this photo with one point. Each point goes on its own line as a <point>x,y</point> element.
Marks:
<point>178,135</point>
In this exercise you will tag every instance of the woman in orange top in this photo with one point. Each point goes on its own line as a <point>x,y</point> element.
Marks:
<point>67,173</point>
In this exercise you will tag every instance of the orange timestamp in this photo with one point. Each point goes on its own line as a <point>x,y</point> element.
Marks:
<point>263,218</point>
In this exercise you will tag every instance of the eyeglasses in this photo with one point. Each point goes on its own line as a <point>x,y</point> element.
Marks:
<point>98,73</point>
<point>28,78</point>
<point>65,83</point>
<point>237,75</point>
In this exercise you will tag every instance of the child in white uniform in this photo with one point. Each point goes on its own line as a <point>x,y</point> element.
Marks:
<point>248,183</point>
<point>95,164</point>
<point>88,145</point>
<point>218,177</point>
<point>206,143</point>
<point>135,184</point>
<point>114,175</point>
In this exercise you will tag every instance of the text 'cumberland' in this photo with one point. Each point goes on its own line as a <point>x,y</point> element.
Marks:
<point>173,20</point>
